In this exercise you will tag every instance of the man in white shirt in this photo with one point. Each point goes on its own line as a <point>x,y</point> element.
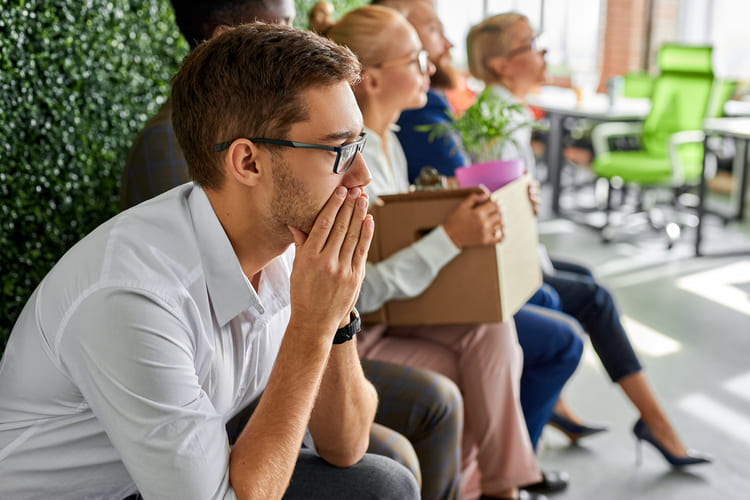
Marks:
<point>164,322</point>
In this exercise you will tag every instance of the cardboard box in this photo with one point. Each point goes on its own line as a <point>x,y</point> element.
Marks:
<point>482,284</point>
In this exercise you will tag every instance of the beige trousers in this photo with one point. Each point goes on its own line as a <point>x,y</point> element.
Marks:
<point>485,361</point>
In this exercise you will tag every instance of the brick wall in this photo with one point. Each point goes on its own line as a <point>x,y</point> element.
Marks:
<point>623,39</point>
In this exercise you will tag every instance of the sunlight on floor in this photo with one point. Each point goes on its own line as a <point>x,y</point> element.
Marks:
<point>649,341</point>
<point>739,386</point>
<point>719,285</point>
<point>722,418</point>
<point>645,340</point>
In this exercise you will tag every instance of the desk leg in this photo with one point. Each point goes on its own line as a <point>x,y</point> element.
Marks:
<point>701,200</point>
<point>741,161</point>
<point>554,157</point>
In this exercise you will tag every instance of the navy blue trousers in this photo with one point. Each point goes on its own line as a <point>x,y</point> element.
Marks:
<point>580,296</point>
<point>551,351</point>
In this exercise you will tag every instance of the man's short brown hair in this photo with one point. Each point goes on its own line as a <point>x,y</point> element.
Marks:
<point>248,82</point>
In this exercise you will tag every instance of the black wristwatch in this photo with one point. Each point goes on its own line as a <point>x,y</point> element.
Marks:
<point>347,332</point>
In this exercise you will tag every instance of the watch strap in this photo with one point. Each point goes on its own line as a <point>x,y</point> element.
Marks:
<point>348,331</point>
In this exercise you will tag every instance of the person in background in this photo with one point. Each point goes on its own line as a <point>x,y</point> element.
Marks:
<point>420,412</point>
<point>443,155</point>
<point>546,336</point>
<point>155,162</point>
<point>502,53</point>
<point>319,16</point>
<point>483,359</point>
<point>155,329</point>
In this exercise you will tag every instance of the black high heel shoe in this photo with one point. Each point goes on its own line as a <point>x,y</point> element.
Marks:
<point>643,433</point>
<point>573,430</point>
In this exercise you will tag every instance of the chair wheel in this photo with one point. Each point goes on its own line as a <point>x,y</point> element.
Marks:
<point>673,234</point>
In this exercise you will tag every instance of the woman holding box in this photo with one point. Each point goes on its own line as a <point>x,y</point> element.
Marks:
<point>485,360</point>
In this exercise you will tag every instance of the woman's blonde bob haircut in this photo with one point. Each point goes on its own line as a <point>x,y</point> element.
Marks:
<point>489,39</point>
<point>365,31</point>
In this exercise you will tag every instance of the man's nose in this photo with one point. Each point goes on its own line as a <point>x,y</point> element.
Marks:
<point>358,174</point>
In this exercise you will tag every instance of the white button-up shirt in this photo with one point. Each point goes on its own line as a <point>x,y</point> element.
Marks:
<point>133,353</point>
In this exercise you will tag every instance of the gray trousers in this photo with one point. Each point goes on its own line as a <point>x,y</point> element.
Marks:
<point>373,477</point>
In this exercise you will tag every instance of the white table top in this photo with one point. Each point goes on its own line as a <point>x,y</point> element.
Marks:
<point>563,101</point>
<point>737,108</point>
<point>733,127</point>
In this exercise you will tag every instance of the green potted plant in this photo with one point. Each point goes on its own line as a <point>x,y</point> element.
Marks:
<point>485,129</point>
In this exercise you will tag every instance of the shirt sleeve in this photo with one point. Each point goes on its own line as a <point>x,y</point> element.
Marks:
<point>408,272</point>
<point>134,361</point>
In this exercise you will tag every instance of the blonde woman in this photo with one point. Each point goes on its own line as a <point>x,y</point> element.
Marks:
<point>502,52</point>
<point>484,360</point>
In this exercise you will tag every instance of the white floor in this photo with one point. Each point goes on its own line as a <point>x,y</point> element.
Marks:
<point>689,319</point>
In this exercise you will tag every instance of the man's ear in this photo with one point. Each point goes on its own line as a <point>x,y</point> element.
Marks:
<point>244,161</point>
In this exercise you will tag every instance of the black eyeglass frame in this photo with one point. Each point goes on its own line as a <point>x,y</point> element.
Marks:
<point>358,145</point>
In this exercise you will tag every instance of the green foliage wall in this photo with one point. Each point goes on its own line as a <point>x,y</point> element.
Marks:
<point>78,78</point>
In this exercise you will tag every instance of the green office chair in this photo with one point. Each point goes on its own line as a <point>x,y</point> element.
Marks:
<point>671,137</point>
<point>638,84</point>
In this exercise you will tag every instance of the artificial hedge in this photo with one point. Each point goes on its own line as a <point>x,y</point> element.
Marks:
<point>78,78</point>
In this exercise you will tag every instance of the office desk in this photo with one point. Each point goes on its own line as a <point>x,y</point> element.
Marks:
<point>739,130</point>
<point>737,108</point>
<point>559,103</point>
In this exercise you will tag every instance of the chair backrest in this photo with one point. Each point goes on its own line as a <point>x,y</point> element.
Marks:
<point>721,92</point>
<point>638,84</point>
<point>680,96</point>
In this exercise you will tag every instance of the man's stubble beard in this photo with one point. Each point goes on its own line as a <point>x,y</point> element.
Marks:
<point>446,75</point>
<point>291,204</point>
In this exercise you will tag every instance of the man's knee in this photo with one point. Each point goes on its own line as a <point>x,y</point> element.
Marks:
<point>382,478</point>
<point>443,397</point>
<point>391,444</point>
<point>373,477</point>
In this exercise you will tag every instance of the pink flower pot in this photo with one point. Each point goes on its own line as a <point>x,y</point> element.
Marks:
<point>493,174</point>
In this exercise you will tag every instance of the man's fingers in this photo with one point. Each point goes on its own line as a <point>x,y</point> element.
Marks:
<point>326,218</point>
<point>340,230</point>
<point>353,235</point>
<point>359,259</point>
<point>299,236</point>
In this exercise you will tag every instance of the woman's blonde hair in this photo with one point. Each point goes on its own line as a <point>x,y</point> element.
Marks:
<point>488,39</point>
<point>364,32</point>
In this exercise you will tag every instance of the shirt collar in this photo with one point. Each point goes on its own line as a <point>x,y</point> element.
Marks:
<point>228,288</point>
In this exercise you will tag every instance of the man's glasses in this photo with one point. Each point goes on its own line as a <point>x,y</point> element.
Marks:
<point>422,60</point>
<point>345,154</point>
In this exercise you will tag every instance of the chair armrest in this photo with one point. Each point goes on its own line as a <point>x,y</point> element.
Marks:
<point>675,141</point>
<point>601,134</point>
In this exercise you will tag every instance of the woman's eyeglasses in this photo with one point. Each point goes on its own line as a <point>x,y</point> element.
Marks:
<point>422,60</point>
<point>529,47</point>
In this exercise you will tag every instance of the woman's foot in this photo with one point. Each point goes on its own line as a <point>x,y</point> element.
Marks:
<point>663,432</point>
<point>574,430</point>
<point>567,422</point>
<point>642,432</point>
